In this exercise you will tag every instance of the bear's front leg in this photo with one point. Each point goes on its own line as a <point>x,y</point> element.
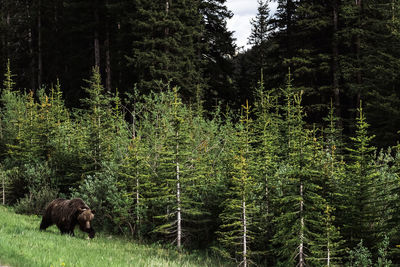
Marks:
<point>67,231</point>
<point>91,233</point>
<point>71,233</point>
<point>46,222</point>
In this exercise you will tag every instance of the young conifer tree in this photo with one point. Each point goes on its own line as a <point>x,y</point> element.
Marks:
<point>387,202</point>
<point>12,110</point>
<point>102,129</point>
<point>61,153</point>
<point>135,173</point>
<point>362,205</point>
<point>260,29</point>
<point>393,228</point>
<point>236,233</point>
<point>267,153</point>
<point>333,176</point>
<point>176,181</point>
<point>300,204</point>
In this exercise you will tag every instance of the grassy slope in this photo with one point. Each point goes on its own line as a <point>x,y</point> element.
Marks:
<point>22,244</point>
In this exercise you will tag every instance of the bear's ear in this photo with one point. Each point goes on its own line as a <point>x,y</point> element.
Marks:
<point>93,211</point>
<point>82,209</point>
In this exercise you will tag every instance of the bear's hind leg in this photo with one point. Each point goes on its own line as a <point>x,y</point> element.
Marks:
<point>65,231</point>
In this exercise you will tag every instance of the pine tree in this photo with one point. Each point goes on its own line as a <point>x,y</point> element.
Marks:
<point>380,59</point>
<point>236,232</point>
<point>98,126</point>
<point>261,28</point>
<point>267,153</point>
<point>389,172</point>
<point>332,182</point>
<point>167,45</point>
<point>176,182</point>
<point>61,152</point>
<point>299,200</point>
<point>360,186</point>
<point>309,59</point>
<point>136,173</point>
<point>218,52</point>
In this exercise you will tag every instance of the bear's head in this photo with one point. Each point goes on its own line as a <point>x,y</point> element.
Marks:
<point>85,218</point>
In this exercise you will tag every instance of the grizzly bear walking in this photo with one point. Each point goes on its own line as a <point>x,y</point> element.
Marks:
<point>66,214</point>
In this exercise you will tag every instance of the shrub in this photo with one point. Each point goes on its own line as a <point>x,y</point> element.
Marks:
<point>360,256</point>
<point>110,203</point>
<point>35,202</point>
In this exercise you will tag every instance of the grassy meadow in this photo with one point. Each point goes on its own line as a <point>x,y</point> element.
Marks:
<point>22,244</point>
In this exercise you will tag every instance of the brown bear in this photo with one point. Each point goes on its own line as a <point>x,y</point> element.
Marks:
<point>66,214</point>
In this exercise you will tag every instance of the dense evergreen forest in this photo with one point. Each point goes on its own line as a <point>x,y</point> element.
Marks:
<point>285,154</point>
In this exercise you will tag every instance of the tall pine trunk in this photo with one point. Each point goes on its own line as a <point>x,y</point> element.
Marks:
<point>328,250</point>
<point>335,63</point>
<point>30,45</point>
<point>358,54</point>
<point>167,6</point>
<point>5,36</point>
<point>108,60</point>
<point>40,63</point>
<point>178,201</point>
<point>4,189</point>
<point>166,32</point>
<point>108,54</point>
<point>301,245</point>
<point>245,264</point>
<point>138,221</point>
<point>96,36</point>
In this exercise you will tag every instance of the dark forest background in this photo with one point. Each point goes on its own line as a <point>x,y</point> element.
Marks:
<point>282,154</point>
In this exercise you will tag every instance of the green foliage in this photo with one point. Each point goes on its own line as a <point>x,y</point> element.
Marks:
<point>383,260</point>
<point>36,201</point>
<point>5,187</point>
<point>103,195</point>
<point>218,51</point>
<point>362,195</point>
<point>21,244</point>
<point>102,130</point>
<point>236,233</point>
<point>135,178</point>
<point>360,256</point>
<point>166,45</point>
<point>299,201</point>
<point>260,29</point>
<point>262,186</point>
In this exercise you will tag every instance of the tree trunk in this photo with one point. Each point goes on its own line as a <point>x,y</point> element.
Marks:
<point>178,202</point>
<point>137,205</point>
<point>5,36</point>
<point>108,60</point>
<point>335,64</point>
<point>40,64</point>
<point>96,36</point>
<point>108,53</point>
<point>4,189</point>
<point>328,252</point>
<point>266,196</point>
<point>301,246</point>
<point>166,31</point>
<point>178,196</point>
<point>358,54</point>
<point>167,6</point>
<point>30,45</point>
<point>245,264</point>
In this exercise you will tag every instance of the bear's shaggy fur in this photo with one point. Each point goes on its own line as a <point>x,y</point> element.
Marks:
<point>66,214</point>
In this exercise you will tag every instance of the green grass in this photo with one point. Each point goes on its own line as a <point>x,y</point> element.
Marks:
<point>22,244</point>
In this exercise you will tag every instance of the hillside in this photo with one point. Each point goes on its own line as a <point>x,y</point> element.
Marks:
<point>21,244</point>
